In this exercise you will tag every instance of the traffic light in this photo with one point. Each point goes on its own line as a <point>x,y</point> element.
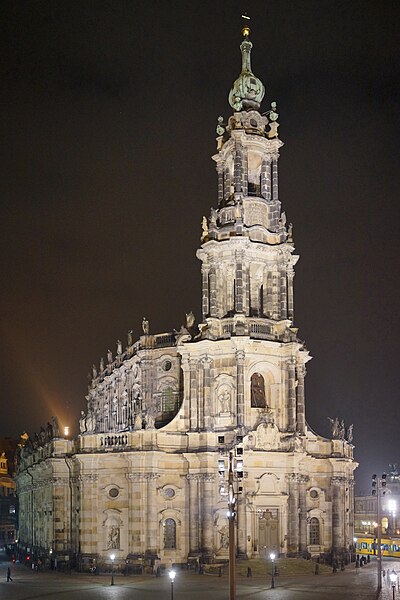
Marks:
<point>374,484</point>
<point>383,483</point>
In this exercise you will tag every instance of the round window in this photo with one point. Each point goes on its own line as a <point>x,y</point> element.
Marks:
<point>253,123</point>
<point>314,494</point>
<point>167,365</point>
<point>113,492</point>
<point>169,493</point>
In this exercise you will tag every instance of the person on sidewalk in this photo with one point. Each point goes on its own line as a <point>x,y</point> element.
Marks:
<point>9,578</point>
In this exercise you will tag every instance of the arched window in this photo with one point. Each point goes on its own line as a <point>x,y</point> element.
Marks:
<point>257,391</point>
<point>169,534</point>
<point>314,532</point>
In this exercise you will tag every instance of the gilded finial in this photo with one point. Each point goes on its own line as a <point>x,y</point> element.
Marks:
<point>246,28</point>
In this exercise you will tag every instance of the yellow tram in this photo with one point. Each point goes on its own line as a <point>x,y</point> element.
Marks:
<point>390,546</point>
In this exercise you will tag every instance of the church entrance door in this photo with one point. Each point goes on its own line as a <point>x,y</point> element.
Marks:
<point>268,529</point>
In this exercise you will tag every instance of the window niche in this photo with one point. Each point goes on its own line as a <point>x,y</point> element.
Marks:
<point>257,391</point>
<point>314,532</point>
<point>169,534</point>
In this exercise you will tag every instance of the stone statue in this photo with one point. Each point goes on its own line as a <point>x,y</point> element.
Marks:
<point>49,432</point>
<point>213,217</point>
<point>82,422</point>
<point>149,419</point>
<point>223,537</point>
<point>94,371</point>
<point>56,427</point>
<point>342,430</point>
<point>257,391</point>
<point>138,423</point>
<point>224,401</point>
<point>290,232</point>
<point>204,227</point>
<point>113,537</point>
<point>119,347</point>
<point>145,326</point>
<point>109,356</point>
<point>334,427</point>
<point>130,337</point>
<point>350,433</point>
<point>190,320</point>
<point>101,364</point>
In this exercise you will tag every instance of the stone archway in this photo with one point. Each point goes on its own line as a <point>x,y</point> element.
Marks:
<point>268,532</point>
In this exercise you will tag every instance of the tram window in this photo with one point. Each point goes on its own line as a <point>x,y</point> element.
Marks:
<point>395,548</point>
<point>363,545</point>
<point>385,547</point>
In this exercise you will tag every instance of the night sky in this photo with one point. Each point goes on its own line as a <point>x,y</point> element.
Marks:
<point>108,115</point>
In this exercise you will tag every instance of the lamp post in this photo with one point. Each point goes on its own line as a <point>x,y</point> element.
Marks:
<point>172,579</point>
<point>112,556</point>
<point>393,579</point>
<point>272,557</point>
<point>378,490</point>
<point>235,474</point>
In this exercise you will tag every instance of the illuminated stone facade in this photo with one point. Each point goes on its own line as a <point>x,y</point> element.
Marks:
<point>142,479</point>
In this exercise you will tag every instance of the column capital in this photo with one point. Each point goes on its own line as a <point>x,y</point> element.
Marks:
<point>240,355</point>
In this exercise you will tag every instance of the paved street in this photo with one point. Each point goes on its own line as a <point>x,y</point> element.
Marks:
<point>28,585</point>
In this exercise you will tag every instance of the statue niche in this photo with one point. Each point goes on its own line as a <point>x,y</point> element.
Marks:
<point>257,391</point>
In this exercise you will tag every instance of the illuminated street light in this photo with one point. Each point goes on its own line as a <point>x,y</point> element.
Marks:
<point>66,431</point>
<point>393,579</point>
<point>172,574</point>
<point>272,557</point>
<point>112,556</point>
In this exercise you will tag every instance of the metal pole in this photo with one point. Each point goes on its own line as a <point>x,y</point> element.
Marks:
<point>231,505</point>
<point>393,588</point>
<point>273,576</point>
<point>379,520</point>
<point>172,590</point>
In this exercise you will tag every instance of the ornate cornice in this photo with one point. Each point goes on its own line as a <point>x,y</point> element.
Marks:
<point>206,477</point>
<point>142,476</point>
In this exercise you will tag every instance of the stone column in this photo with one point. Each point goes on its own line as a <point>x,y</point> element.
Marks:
<point>220,171</point>
<point>207,495</point>
<point>290,276</point>
<point>293,517</point>
<point>194,404</point>
<point>213,291</point>
<point>205,291</point>
<point>241,525</point>
<point>350,533</point>
<point>338,512</point>
<point>275,194</point>
<point>193,479</point>
<point>239,282</point>
<point>266,179</point>
<point>291,405</point>
<point>283,295</point>
<point>134,513</point>
<point>240,356</point>
<point>207,412</point>
<point>245,171</point>
<point>303,480</point>
<point>153,541</point>
<point>227,184</point>
<point>238,160</point>
<point>301,417</point>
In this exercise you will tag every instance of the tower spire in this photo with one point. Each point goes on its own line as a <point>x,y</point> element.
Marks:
<point>248,91</point>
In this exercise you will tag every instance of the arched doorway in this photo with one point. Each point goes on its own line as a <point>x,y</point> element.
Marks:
<point>268,532</point>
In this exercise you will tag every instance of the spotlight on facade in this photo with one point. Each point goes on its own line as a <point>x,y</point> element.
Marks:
<point>66,431</point>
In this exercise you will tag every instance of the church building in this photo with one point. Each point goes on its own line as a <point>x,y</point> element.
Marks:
<point>146,477</point>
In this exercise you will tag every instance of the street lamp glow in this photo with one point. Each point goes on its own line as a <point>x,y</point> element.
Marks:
<point>66,431</point>
<point>393,577</point>
<point>272,556</point>
<point>392,506</point>
<point>112,556</point>
<point>172,575</point>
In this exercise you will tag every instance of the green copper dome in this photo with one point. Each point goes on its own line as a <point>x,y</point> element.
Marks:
<point>247,91</point>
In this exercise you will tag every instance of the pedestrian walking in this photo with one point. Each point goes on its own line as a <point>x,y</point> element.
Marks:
<point>9,578</point>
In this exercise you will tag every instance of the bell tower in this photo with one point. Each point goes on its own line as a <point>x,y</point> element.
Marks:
<point>247,251</point>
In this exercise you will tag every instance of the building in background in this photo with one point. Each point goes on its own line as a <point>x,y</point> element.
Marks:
<point>365,511</point>
<point>144,480</point>
<point>8,506</point>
